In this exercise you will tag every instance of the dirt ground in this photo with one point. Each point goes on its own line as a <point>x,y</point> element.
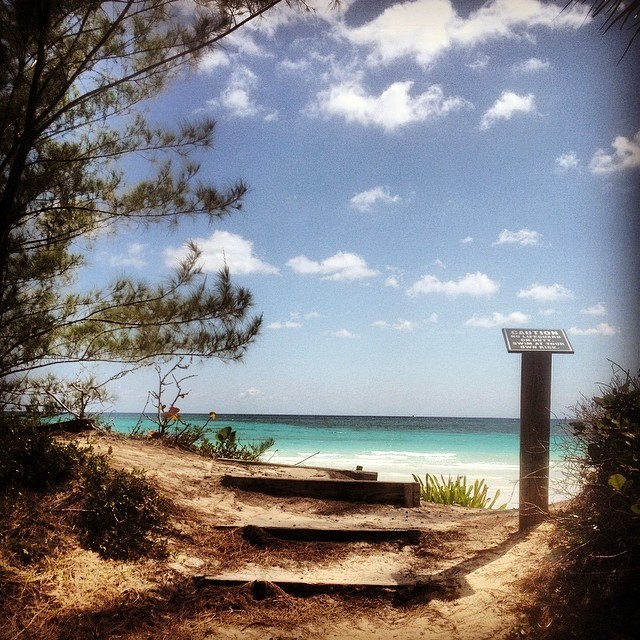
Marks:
<point>460,580</point>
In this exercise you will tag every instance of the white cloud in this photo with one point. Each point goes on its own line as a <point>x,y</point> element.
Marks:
<point>546,293</point>
<point>133,258</point>
<point>253,393</point>
<point>516,318</point>
<point>237,96</point>
<point>364,200</point>
<point>480,63</point>
<point>398,325</point>
<point>466,240</point>
<point>214,60</point>
<point>425,29</point>
<point>524,237</point>
<point>472,284</point>
<point>341,266</point>
<point>532,65</point>
<point>393,282</point>
<point>506,106</point>
<point>223,249</point>
<point>599,309</point>
<point>602,329</point>
<point>567,161</point>
<point>626,155</point>
<point>433,318</point>
<point>395,107</point>
<point>287,324</point>
<point>439,263</point>
<point>343,334</point>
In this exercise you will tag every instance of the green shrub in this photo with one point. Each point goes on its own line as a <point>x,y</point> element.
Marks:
<point>30,458</point>
<point>227,446</point>
<point>600,567</point>
<point>456,491</point>
<point>123,516</point>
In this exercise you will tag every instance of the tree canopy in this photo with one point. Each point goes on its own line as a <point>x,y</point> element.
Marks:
<point>73,77</point>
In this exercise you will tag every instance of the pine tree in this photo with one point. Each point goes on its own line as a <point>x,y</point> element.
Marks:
<point>73,74</point>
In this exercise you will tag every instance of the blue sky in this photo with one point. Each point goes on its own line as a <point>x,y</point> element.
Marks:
<point>422,174</point>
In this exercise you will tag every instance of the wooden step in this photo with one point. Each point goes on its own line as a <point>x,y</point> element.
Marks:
<point>354,474</point>
<point>313,534</point>
<point>406,494</point>
<point>264,588</point>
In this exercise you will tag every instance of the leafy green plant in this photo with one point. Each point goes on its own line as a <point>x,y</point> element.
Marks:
<point>30,458</point>
<point>457,491</point>
<point>227,446</point>
<point>123,516</point>
<point>600,528</point>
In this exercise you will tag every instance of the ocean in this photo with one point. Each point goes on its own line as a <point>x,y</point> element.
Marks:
<point>395,447</point>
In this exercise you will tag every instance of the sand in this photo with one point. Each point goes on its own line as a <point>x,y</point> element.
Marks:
<point>463,579</point>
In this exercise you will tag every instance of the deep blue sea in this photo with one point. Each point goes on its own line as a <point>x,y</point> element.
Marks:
<point>395,447</point>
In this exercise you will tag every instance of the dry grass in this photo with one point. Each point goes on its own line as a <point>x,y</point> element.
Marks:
<point>71,593</point>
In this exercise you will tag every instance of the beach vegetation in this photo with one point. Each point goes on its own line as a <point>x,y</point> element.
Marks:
<point>458,491</point>
<point>599,530</point>
<point>80,158</point>
<point>173,429</point>
<point>122,516</point>
<point>48,487</point>
<point>226,445</point>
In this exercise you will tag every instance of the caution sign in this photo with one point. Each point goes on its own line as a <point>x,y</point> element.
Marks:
<point>525,340</point>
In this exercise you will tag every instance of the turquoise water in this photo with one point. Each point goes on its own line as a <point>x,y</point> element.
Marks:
<point>395,447</point>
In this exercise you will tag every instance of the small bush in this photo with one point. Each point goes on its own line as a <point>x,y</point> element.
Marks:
<point>457,492</point>
<point>31,459</point>
<point>227,446</point>
<point>594,588</point>
<point>123,516</point>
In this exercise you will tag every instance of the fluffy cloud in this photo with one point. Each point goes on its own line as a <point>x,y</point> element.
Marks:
<point>515,318</point>
<point>599,309</point>
<point>364,200</point>
<point>395,107</point>
<point>398,325</point>
<point>506,106</point>
<point>532,65</point>
<point>425,29</point>
<point>343,334</point>
<point>237,96</point>
<point>287,324</point>
<point>254,394</point>
<point>134,257</point>
<point>602,329</point>
<point>524,237</point>
<point>546,293</point>
<point>626,155</point>
<point>223,249</point>
<point>341,266</point>
<point>567,161</point>
<point>472,284</point>
<point>393,282</point>
<point>466,240</point>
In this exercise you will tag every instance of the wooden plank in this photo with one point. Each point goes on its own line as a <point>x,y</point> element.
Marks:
<point>309,534</point>
<point>406,494</point>
<point>261,587</point>
<point>355,474</point>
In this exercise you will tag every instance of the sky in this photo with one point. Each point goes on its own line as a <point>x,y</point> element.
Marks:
<point>422,174</point>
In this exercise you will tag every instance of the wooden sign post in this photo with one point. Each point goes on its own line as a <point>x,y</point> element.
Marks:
<point>536,346</point>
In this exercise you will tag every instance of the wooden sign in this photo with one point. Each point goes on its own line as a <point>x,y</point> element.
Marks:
<point>525,340</point>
